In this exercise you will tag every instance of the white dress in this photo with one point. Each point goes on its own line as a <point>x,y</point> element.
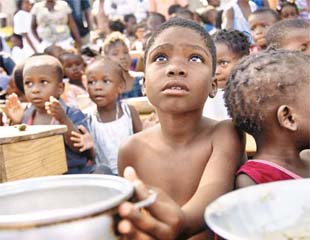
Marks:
<point>215,107</point>
<point>108,137</point>
<point>22,24</point>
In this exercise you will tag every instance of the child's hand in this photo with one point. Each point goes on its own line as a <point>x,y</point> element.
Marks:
<point>82,140</point>
<point>164,221</point>
<point>13,109</point>
<point>54,108</point>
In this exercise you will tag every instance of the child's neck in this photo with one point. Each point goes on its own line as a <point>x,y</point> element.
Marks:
<point>41,117</point>
<point>109,112</point>
<point>180,129</point>
<point>77,83</point>
<point>283,153</point>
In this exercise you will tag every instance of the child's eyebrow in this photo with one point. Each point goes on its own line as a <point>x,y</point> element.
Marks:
<point>170,46</point>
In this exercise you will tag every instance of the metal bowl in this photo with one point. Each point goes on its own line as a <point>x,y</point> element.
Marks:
<point>272,211</point>
<point>61,207</point>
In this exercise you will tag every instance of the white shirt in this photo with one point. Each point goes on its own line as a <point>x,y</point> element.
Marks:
<point>215,107</point>
<point>22,24</point>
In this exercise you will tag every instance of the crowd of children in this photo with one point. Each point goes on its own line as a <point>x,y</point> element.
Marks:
<point>212,77</point>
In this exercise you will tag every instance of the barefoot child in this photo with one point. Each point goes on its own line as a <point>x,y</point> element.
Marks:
<point>191,158</point>
<point>231,45</point>
<point>42,78</point>
<point>112,121</point>
<point>290,34</point>
<point>267,96</point>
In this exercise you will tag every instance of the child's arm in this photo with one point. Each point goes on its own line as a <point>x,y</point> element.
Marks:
<point>13,109</point>
<point>228,19</point>
<point>54,108</point>
<point>218,177</point>
<point>170,217</point>
<point>136,121</point>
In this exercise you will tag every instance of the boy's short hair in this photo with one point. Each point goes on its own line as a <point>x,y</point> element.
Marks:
<point>184,23</point>
<point>278,32</point>
<point>46,60</point>
<point>112,39</point>
<point>259,83</point>
<point>68,54</point>
<point>267,10</point>
<point>128,16</point>
<point>159,15</point>
<point>235,40</point>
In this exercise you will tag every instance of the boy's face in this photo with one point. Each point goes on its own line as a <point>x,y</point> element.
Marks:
<point>103,84</point>
<point>119,53</point>
<point>178,72</point>
<point>73,67</point>
<point>297,40</point>
<point>41,82</point>
<point>289,12</point>
<point>259,24</point>
<point>226,60</point>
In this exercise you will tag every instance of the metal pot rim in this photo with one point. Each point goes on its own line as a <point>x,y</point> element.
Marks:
<point>55,216</point>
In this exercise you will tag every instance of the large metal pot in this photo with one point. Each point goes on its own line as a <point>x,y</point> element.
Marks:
<point>67,207</point>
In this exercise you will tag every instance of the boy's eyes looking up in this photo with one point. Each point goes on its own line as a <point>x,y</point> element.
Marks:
<point>192,58</point>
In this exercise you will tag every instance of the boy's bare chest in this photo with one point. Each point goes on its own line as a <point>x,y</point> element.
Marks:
<point>177,171</point>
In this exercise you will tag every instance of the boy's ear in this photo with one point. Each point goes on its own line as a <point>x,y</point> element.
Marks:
<point>286,118</point>
<point>213,89</point>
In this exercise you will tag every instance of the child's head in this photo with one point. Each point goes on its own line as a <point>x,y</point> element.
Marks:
<point>42,78</point>
<point>231,45</point>
<point>180,61</point>
<point>287,9</point>
<point>115,48</point>
<point>154,20</point>
<point>54,51</point>
<point>208,15</point>
<point>117,26</point>
<point>260,21</point>
<point>17,40</point>
<point>73,65</point>
<point>185,13</point>
<point>130,21</point>
<point>290,34</point>
<point>268,91</point>
<point>25,5</point>
<point>105,81</point>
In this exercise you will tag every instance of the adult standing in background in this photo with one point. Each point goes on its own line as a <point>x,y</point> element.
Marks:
<point>22,26</point>
<point>81,12</point>
<point>162,6</point>
<point>52,23</point>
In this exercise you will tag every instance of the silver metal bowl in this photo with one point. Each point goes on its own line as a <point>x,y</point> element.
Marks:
<point>272,211</point>
<point>62,207</point>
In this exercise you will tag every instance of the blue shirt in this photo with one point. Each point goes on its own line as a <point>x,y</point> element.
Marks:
<point>76,161</point>
<point>135,91</point>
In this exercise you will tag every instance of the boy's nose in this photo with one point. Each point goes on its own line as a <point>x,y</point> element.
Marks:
<point>218,70</point>
<point>176,70</point>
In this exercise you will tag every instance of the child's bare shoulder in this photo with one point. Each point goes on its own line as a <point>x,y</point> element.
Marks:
<point>135,146</point>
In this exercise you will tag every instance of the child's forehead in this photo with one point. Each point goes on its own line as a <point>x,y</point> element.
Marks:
<point>179,34</point>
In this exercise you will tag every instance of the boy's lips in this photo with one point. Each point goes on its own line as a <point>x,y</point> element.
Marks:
<point>175,88</point>
<point>36,100</point>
